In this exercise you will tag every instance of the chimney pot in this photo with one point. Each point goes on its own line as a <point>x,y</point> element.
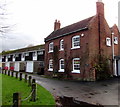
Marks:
<point>99,0</point>
<point>57,25</point>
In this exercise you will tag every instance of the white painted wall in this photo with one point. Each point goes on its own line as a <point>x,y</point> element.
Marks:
<point>35,56</point>
<point>14,57</point>
<point>23,57</point>
<point>7,64</point>
<point>17,66</point>
<point>6,60</point>
<point>29,66</point>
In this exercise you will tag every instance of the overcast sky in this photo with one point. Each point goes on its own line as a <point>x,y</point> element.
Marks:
<point>33,20</point>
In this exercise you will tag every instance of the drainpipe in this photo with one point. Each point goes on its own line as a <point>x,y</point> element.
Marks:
<point>113,46</point>
<point>113,55</point>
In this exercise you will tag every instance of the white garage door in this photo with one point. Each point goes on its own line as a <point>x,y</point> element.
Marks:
<point>16,66</point>
<point>29,67</point>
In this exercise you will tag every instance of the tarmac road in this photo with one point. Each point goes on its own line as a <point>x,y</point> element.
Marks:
<point>102,92</point>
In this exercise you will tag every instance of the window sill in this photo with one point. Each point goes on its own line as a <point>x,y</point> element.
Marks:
<point>76,71</point>
<point>50,51</point>
<point>75,47</point>
<point>61,70</point>
<point>108,45</point>
<point>61,50</point>
<point>50,69</point>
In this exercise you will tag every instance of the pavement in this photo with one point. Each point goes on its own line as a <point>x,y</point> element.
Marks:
<point>101,92</point>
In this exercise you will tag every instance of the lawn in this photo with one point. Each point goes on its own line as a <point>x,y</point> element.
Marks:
<point>0,90</point>
<point>11,85</point>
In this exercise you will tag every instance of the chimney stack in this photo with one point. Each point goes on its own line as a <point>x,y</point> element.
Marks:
<point>57,25</point>
<point>100,8</point>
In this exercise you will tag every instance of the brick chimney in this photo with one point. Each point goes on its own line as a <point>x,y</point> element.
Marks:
<point>100,8</point>
<point>56,25</point>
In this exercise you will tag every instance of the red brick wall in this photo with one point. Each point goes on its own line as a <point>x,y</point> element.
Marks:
<point>92,44</point>
<point>70,53</point>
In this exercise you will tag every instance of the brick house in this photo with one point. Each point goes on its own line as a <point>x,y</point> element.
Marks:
<point>73,50</point>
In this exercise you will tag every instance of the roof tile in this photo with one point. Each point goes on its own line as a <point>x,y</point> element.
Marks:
<point>71,28</point>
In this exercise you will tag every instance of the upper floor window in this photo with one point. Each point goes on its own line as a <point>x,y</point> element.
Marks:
<point>51,65</point>
<point>8,56</point>
<point>62,44</point>
<point>115,40</point>
<point>34,54</point>
<point>61,65</point>
<point>51,47</point>
<point>27,54</point>
<point>40,52</point>
<point>76,42</point>
<point>108,41</point>
<point>76,65</point>
<point>16,55</point>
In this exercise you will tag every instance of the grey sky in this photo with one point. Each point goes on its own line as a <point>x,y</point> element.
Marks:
<point>33,20</point>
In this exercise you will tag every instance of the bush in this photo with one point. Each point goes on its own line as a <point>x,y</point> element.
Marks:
<point>102,68</point>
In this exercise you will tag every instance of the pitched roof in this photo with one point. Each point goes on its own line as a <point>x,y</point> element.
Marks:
<point>32,48</point>
<point>81,25</point>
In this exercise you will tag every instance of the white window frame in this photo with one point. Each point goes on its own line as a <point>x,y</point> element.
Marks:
<point>16,55</point>
<point>116,40</point>
<point>34,55</point>
<point>74,70</point>
<point>27,54</point>
<point>60,68</point>
<point>61,45</point>
<point>73,42</point>
<point>51,45</point>
<point>40,52</point>
<point>108,41</point>
<point>23,55</point>
<point>50,64</point>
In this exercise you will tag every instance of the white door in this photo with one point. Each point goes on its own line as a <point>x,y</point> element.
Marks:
<point>29,67</point>
<point>119,67</point>
<point>17,66</point>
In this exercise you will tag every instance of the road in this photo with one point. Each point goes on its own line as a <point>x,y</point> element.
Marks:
<point>101,92</point>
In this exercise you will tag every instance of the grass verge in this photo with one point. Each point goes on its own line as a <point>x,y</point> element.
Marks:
<point>11,85</point>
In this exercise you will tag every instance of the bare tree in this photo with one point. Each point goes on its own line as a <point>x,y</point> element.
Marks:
<point>4,27</point>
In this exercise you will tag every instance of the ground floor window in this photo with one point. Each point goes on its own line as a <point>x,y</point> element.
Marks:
<point>51,65</point>
<point>76,65</point>
<point>61,65</point>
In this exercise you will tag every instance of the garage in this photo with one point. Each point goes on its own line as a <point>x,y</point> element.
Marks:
<point>33,67</point>
<point>16,66</point>
<point>3,65</point>
<point>22,66</point>
<point>12,66</point>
